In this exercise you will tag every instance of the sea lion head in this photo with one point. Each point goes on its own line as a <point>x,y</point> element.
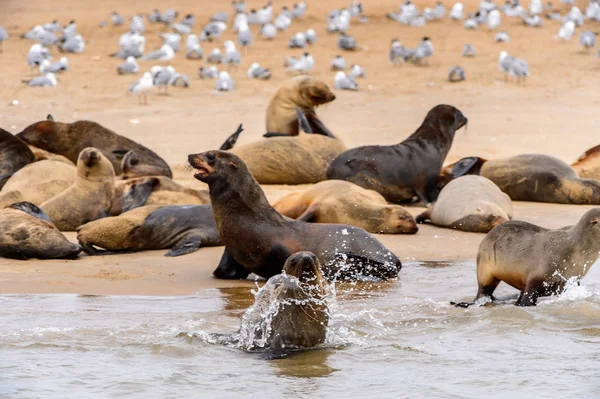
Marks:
<point>92,165</point>
<point>313,92</point>
<point>41,134</point>
<point>446,118</point>
<point>213,165</point>
<point>590,223</point>
<point>305,266</point>
<point>396,220</point>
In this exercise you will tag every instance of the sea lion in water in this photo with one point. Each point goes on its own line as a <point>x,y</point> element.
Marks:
<point>338,201</point>
<point>88,198</point>
<point>183,229</point>
<point>155,190</point>
<point>14,154</point>
<point>305,93</point>
<point>290,311</point>
<point>535,260</point>
<point>587,166</point>
<point>38,182</point>
<point>469,203</point>
<point>259,239</point>
<point>69,139</point>
<point>401,171</point>
<point>27,232</point>
<point>541,178</point>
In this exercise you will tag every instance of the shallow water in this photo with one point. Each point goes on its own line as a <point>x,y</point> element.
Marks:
<point>398,339</point>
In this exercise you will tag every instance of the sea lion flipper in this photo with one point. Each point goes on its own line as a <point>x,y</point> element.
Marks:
<point>31,209</point>
<point>309,215</point>
<point>303,122</point>
<point>187,245</point>
<point>275,134</point>
<point>50,117</point>
<point>425,216</point>
<point>317,126</point>
<point>232,140</point>
<point>229,269</point>
<point>464,166</point>
<point>138,194</point>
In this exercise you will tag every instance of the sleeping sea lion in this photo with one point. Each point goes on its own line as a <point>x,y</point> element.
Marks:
<point>535,260</point>
<point>38,182</point>
<point>401,171</point>
<point>587,166</point>
<point>69,139</point>
<point>259,239</point>
<point>469,203</point>
<point>338,201</point>
<point>88,198</point>
<point>290,311</point>
<point>27,232</point>
<point>14,154</point>
<point>42,155</point>
<point>183,229</point>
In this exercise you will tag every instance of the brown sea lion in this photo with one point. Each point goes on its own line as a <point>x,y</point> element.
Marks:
<point>14,154</point>
<point>338,201</point>
<point>401,171</point>
<point>469,203</point>
<point>88,198</point>
<point>38,182</point>
<point>259,239</point>
<point>541,178</point>
<point>42,155</point>
<point>183,229</point>
<point>535,260</point>
<point>155,190</point>
<point>305,93</point>
<point>27,232</point>
<point>587,166</point>
<point>290,311</point>
<point>69,139</point>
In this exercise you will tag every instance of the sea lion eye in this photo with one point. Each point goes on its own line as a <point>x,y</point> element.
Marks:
<point>210,157</point>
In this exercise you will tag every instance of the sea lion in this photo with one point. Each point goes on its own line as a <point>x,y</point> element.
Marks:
<point>290,311</point>
<point>338,201</point>
<point>469,203</point>
<point>42,155</point>
<point>535,260</point>
<point>259,239</point>
<point>183,229</point>
<point>38,182</point>
<point>155,190</point>
<point>69,139</point>
<point>14,154</point>
<point>587,166</point>
<point>401,171</point>
<point>303,92</point>
<point>27,232</point>
<point>89,197</point>
<point>541,178</point>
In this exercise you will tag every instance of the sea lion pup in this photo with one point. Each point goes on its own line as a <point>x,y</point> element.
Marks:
<point>290,311</point>
<point>155,190</point>
<point>183,229</point>
<point>27,232</point>
<point>541,178</point>
<point>88,198</point>
<point>14,154</point>
<point>535,260</point>
<point>303,92</point>
<point>338,201</point>
<point>38,182</point>
<point>469,203</point>
<point>69,139</point>
<point>587,166</point>
<point>42,155</point>
<point>259,239</point>
<point>401,171</point>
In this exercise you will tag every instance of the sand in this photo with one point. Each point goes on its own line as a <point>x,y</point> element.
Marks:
<point>554,113</point>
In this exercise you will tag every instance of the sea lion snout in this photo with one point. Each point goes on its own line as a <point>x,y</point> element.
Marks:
<point>204,163</point>
<point>89,156</point>
<point>303,265</point>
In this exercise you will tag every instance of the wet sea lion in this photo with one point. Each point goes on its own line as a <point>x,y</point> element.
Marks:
<point>155,190</point>
<point>541,178</point>
<point>69,139</point>
<point>401,171</point>
<point>469,203</point>
<point>183,229</point>
<point>305,93</point>
<point>259,239</point>
<point>38,182</point>
<point>27,232</point>
<point>338,201</point>
<point>88,198</point>
<point>14,154</point>
<point>535,260</point>
<point>290,311</point>
<point>587,166</point>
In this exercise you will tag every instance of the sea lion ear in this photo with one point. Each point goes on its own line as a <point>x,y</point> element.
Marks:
<point>233,165</point>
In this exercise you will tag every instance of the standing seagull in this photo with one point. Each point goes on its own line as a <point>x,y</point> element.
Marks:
<point>141,87</point>
<point>338,63</point>
<point>399,53</point>
<point>208,73</point>
<point>567,31</point>
<point>457,11</point>
<point>232,56</point>
<point>504,63</point>
<point>268,31</point>
<point>423,51</point>
<point>129,66</point>
<point>192,45</point>
<point>343,82</point>
<point>215,57</point>
<point>469,51</point>
<point>162,77</point>
<point>493,19</point>
<point>224,82</point>
<point>519,69</point>
<point>116,19</point>
<point>244,36</point>
<point>356,72</point>
<point>587,39</point>
<point>456,74</point>
<point>47,80</point>
<point>305,64</point>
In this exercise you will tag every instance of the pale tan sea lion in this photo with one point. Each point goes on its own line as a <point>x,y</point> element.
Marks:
<point>535,260</point>
<point>338,201</point>
<point>89,197</point>
<point>587,166</point>
<point>38,182</point>
<point>469,203</point>
<point>42,155</point>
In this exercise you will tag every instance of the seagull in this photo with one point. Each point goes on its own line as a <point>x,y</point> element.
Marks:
<point>192,45</point>
<point>224,82</point>
<point>161,77</point>
<point>535,21</point>
<point>305,64</point>
<point>471,23</point>
<point>257,72</point>
<point>181,28</point>
<point>439,11</point>
<point>575,15</point>
<point>169,16</point>
<point>504,63</point>
<point>232,56</point>
<point>73,44</point>
<point>239,20</point>
<point>142,86</point>
<point>70,30</point>
<point>456,74</point>
<point>154,16</point>
<point>297,41</point>
<point>165,53</point>
<point>3,37</point>
<point>59,66</point>
<point>356,72</point>
<point>129,66</point>
<point>519,69</point>
<point>137,24</point>
<point>212,31</point>
<point>493,19</point>
<point>116,19</point>
<point>179,80</point>
<point>338,63</point>
<point>311,36</point>
<point>172,39</point>
<point>47,80</point>
<point>501,37</point>
<point>423,51</point>
<point>53,26</point>
<point>346,42</point>
<point>47,38</point>
<point>457,11</point>
<point>567,31</point>
<point>587,39</point>
<point>132,44</point>
<point>239,6</point>
<point>399,53</point>
<point>244,36</point>
<point>343,82</point>
<point>468,51</point>
<point>37,53</point>
<point>215,57</point>
<point>298,10</point>
<point>536,7</point>
<point>33,33</point>
<point>268,31</point>
<point>282,22</point>
<point>208,73</point>
<point>220,16</point>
